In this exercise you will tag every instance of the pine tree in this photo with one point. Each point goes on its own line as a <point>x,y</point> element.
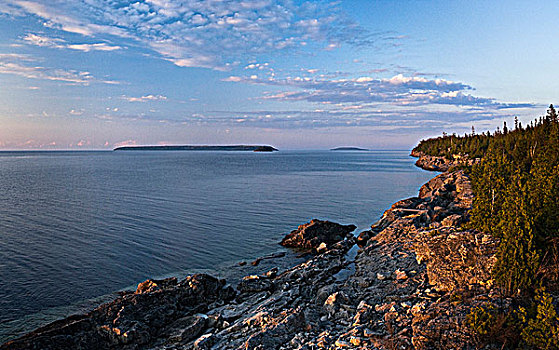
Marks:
<point>551,114</point>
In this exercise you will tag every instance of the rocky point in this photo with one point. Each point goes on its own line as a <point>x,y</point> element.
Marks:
<point>416,276</point>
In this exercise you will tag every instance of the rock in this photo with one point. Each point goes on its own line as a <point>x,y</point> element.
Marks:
<point>323,340</point>
<point>267,257</point>
<point>405,304</point>
<point>418,308</point>
<point>186,329</point>
<point>312,234</point>
<point>342,344</point>
<point>453,220</point>
<point>254,284</point>
<point>272,273</point>
<point>400,275</point>
<point>205,342</point>
<point>278,330</point>
<point>334,302</point>
<point>323,293</point>
<point>135,320</point>
<point>321,248</point>
<point>355,341</point>
<point>364,314</point>
<point>363,238</point>
<point>150,286</point>
<point>455,258</point>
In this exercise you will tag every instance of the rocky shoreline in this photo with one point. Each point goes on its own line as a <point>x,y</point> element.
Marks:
<point>433,163</point>
<point>414,279</point>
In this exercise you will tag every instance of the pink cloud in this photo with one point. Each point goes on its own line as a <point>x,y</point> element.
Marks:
<point>125,143</point>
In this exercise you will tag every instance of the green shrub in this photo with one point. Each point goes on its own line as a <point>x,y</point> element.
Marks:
<point>516,186</point>
<point>489,325</point>
<point>533,326</point>
<point>540,323</point>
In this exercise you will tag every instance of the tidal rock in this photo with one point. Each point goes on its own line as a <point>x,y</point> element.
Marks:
<point>149,286</point>
<point>312,234</point>
<point>363,238</point>
<point>268,257</point>
<point>254,284</point>
<point>134,320</point>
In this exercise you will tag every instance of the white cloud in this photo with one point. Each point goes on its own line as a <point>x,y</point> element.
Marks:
<point>21,65</point>
<point>234,79</point>
<point>129,142</point>
<point>93,47</point>
<point>39,40</point>
<point>365,100</point>
<point>44,41</point>
<point>146,98</point>
<point>207,34</point>
<point>76,112</point>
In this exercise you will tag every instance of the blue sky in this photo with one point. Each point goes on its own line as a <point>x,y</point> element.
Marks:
<point>95,74</point>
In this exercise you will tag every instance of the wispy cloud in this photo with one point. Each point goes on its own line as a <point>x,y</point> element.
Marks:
<point>45,41</point>
<point>93,47</point>
<point>146,98</point>
<point>129,142</point>
<point>77,111</point>
<point>66,16</point>
<point>212,34</point>
<point>23,65</point>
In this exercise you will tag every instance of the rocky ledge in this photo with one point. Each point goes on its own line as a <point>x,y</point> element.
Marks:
<point>434,163</point>
<point>411,284</point>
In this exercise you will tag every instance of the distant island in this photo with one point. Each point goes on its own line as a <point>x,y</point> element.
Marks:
<point>245,148</point>
<point>348,149</point>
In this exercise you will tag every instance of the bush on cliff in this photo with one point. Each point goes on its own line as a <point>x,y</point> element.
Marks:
<point>516,199</point>
<point>535,326</point>
<point>516,187</point>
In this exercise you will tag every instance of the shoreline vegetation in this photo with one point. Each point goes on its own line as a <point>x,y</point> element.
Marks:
<point>232,148</point>
<point>470,262</point>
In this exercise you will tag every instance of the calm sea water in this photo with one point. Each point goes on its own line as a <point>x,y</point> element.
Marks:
<point>78,226</point>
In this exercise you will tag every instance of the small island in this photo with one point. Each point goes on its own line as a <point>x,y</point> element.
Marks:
<point>348,149</point>
<point>238,148</point>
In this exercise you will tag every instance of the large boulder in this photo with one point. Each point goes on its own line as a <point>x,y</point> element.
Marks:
<point>457,259</point>
<point>312,234</point>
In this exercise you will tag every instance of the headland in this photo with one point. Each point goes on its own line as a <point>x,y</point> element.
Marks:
<point>413,280</point>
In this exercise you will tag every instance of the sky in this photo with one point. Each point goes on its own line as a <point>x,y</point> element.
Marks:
<point>380,74</point>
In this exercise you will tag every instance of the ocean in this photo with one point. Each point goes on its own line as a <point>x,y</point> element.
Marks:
<point>76,227</point>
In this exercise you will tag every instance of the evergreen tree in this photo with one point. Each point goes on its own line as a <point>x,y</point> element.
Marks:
<point>516,191</point>
<point>551,114</point>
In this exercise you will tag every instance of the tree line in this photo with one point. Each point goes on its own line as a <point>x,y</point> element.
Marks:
<point>516,196</point>
<point>516,199</point>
